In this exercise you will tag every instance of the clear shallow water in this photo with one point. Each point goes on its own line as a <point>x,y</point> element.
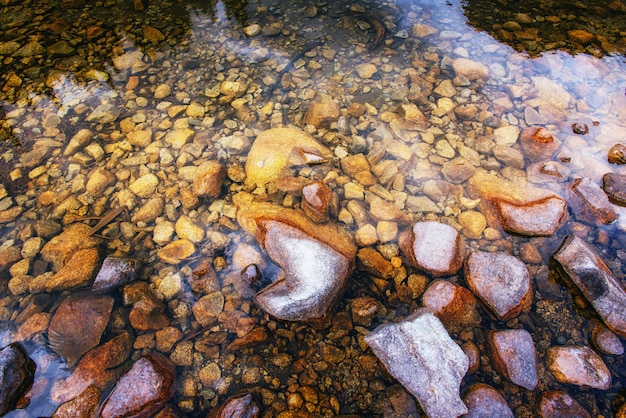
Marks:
<point>63,61</point>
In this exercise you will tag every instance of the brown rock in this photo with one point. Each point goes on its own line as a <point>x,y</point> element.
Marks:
<point>207,181</point>
<point>458,170</point>
<point>177,251</point>
<point>515,357</point>
<point>143,390</point>
<point>357,167</point>
<point>149,211</point>
<point>364,309</point>
<point>579,365</point>
<point>501,281</point>
<point>35,324</point>
<point>99,180</point>
<point>617,154</point>
<point>208,307</point>
<point>538,144</point>
<point>77,272</point>
<point>590,203</point>
<point>539,218</point>
<point>147,312</point>
<point>316,199</point>
<point>483,401</point>
<point>242,406</point>
<point>374,263</point>
<point>454,305</point>
<point>581,36</point>
<point>558,404</point>
<point>62,247</point>
<point>614,186</point>
<point>472,70</point>
<point>382,210</point>
<point>433,247</point>
<point>322,112</point>
<point>84,405</point>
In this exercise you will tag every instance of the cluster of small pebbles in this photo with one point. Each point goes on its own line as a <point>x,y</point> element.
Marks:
<point>293,210</point>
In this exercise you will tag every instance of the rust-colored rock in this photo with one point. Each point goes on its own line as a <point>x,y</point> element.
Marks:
<point>240,406</point>
<point>515,357</point>
<point>77,272</point>
<point>322,112</point>
<point>484,401</point>
<point>539,218</point>
<point>148,311</point>
<point>207,181</point>
<point>143,390</point>
<point>62,247</point>
<point>538,144</point>
<point>454,305</point>
<point>433,247</point>
<point>316,199</point>
<point>78,324</point>
<point>84,405</point>
<point>558,404</point>
<point>579,365</point>
<point>364,309</point>
<point>590,203</point>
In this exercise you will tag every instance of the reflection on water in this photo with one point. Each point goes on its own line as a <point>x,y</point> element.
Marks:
<point>112,105</point>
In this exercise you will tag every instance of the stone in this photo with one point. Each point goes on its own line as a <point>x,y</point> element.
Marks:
<point>149,211</point>
<point>78,324</point>
<point>454,305</point>
<point>433,247</point>
<point>145,186</point>
<point>143,390</point>
<point>617,154</point>
<point>162,91</point>
<point>382,210</point>
<point>364,309</point>
<point>99,368</point>
<point>506,135</point>
<point>366,71</point>
<point>420,354</point>
<point>580,36</point>
<point>104,113</point>
<point>176,251</point>
<point>591,275</point>
<point>115,272</point>
<point>208,179</point>
<point>473,223</point>
<point>84,405</point>
<point>208,307</point>
<point>77,272</point>
<point>515,357</point>
<point>606,341</point>
<point>357,167</point>
<point>483,401</point>
<point>316,200</point>
<point>99,180</point>
<point>413,117</point>
<point>78,142</point>
<point>500,281</point>
<point>17,374</point>
<point>533,219</point>
<point>322,112</point>
<point>579,365</point>
<point>187,228</point>
<point>373,262</point>
<point>509,156</point>
<point>141,138</point>
<point>558,404</point>
<point>538,144</point>
<point>316,260</point>
<point>590,203</point>
<point>614,185</point>
<point>147,311</point>
<point>178,137</point>
<point>472,70</point>
<point>457,170</point>
<point>241,406</point>
<point>275,151</point>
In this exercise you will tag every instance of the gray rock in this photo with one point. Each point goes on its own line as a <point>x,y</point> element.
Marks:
<point>17,373</point>
<point>614,186</point>
<point>515,356</point>
<point>540,218</point>
<point>483,401</point>
<point>434,247</point>
<point>115,272</point>
<point>590,203</point>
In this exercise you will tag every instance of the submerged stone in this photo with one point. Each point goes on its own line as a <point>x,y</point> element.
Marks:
<point>454,305</point>
<point>579,365</point>
<point>501,281</point>
<point>539,218</point>
<point>419,353</point>
<point>590,203</point>
<point>614,186</point>
<point>483,401</point>
<point>241,406</point>
<point>606,341</point>
<point>589,273</point>
<point>515,357</point>
<point>84,405</point>
<point>558,404</point>
<point>17,373</point>
<point>114,272</point>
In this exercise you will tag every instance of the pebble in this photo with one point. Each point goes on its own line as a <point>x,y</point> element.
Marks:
<point>614,185</point>
<point>188,229</point>
<point>470,69</point>
<point>606,341</point>
<point>208,307</point>
<point>515,357</point>
<point>366,71</point>
<point>473,223</point>
<point>115,272</point>
<point>176,251</point>
<point>506,135</point>
<point>457,170</point>
<point>558,404</point>
<point>433,247</point>
<point>145,186</point>
<point>77,272</point>
<point>242,405</point>
<point>99,180</point>
<point>539,218</point>
<point>579,365</point>
<point>322,112</point>
<point>484,401</point>
<point>149,211</point>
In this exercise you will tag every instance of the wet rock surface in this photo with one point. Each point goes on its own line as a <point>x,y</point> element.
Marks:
<point>240,406</point>
<point>579,365</point>
<point>435,248</point>
<point>589,200</point>
<point>515,356</point>
<point>557,404</point>
<point>485,401</point>
<point>115,272</point>
<point>539,218</point>
<point>17,373</point>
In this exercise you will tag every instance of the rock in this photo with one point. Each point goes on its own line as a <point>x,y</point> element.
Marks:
<point>548,172</point>
<point>131,59</point>
<point>454,305</point>
<point>177,251</point>
<point>115,272</point>
<point>366,71</point>
<point>508,156</point>
<point>506,135</point>
<point>162,91</point>
<point>433,247</point>
<point>501,281</point>
<point>579,365</point>
<point>17,373</point>
<point>614,186</point>
<point>147,311</point>
<point>470,69</point>
<point>473,223</point>
<point>539,218</point>
<point>242,406</point>
<point>483,401</point>
<point>357,167</point>
<point>105,113</point>
<point>382,210</point>
<point>188,229</point>
<point>208,307</point>
<point>580,36</point>
<point>617,154</point>
<point>591,275</point>
<point>364,309</point>
<point>316,260</point>
<point>143,390</point>
<point>316,199</point>
<point>208,179</point>
<point>99,180</point>
<point>178,137</point>
<point>141,138</point>
<point>558,404</point>
<point>149,211</point>
<point>276,151</point>
<point>84,405</point>
<point>9,215</point>
<point>78,324</point>
<point>372,262</point>
<point>458,170</point>
<point>322,112</point>
<point>419,353</point>
<point>145,186</point>
<point>538,144</point>
<point>78,142</point>
<point>550,93</point>
<point>77,272</point>
<point>606,341</point>
<point>514,356</point>
<point>252,30</point>
<point>99,369</point>
<point>590,203</point>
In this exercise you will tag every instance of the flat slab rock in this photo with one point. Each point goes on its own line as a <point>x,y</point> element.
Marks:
<point>579,365</point>
<point>589,273</point>
<point>433,247</point>
<point>501,281</point>
<point>514,356</point>
<point>484,401</point>
<point>419,352</point>
<point>589,202</point>
<point>540,218</point>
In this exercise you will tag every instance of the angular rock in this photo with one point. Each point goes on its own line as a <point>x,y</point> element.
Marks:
<point>472,70</point>
<point>316,199</point>
<point>188,229</point>
<point>77,272</point>
<point>149,211</point>
<point>614,186</point>
<point>433,247</point>
<point>558,404</point>
<point>373,262</point>
<point>98,182</point>
<point>145,186</point>
<point>483,401</point>
<point>579,365</point>
<point>454,305</point>
<point>147,311</point>
<point>275,151</point>
<point>357,167</point>
<point>540,218</point>
<point>17,373</point>
<point>177,251</point>
<point>501,281</point>
<point>419,353</point>
<point>590,203</point>
<point>207,182</point>
<point>364,309</point>
<point>241,406</point>
<point>458,170</point>
<point>78,142</point>
<point>143,390</point>
<point>115,272</point>
<point>84,405</point>
<point>538,144</point>
<point>316,260</point>
<point>322,112</point>
<point>62,247</point>
<point>78,324</point>
<point>515,357</point>
<point>591,275</point>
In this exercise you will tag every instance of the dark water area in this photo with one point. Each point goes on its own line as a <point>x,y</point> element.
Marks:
<point>111,112</point>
